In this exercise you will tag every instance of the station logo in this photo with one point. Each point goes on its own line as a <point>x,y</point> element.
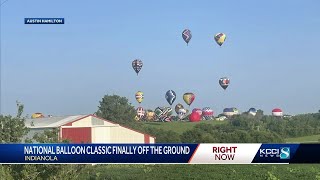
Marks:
<point>282,153</point>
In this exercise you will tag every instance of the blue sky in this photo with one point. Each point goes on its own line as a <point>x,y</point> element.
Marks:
<point>271,54</point>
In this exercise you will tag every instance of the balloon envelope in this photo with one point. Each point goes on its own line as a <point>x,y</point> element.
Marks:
<point>220,38</point>
<point>252,111</point>
<point>170,96</point>
<point>186,35</point>
<point>188,98</point>
<point>178,106</point>
<point>230,111</point>
<point>37,115</point>
<point>197,110</point>
<point>140,112</point>
<point>137,65</point>
<point>139,96</point>
<point>207,113</point>
<point>182,113</point>
<point>195,117</point>
<point>224,82</point>
<point>150,115</point>
<point>277,112</point>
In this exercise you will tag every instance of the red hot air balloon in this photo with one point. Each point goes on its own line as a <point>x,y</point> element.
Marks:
<point>195,117</point>
<point>277,112</point>
<point>197,110</point>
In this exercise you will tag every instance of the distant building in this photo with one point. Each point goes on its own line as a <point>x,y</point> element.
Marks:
<point>87,129</point>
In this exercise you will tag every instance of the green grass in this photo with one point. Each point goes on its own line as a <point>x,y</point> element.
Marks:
<point>313,138</point>
<point>188,171</point>
<point>178,127</point>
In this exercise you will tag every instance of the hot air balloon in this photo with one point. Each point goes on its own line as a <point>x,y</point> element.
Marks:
<point>186,35</point>
<point>150,115</point>
<point>167,111</point>
<point>277,112</point>
<point>182,113</point>
<point>170,96</point>
<point>252,111</point>
<point>37,115</point>
<point>162,113</point>
<point>140,112</point>
<point>195,117</point>
<point>220,38</point>
<point>137,65</point>
<point>178,106</point>
<point>158,112</point>
<point>188,98</point>
<point>230,111</point>
<point>197,110</point>
<point>224,82</point>
<point>139,96</point>
<point>207,113</point>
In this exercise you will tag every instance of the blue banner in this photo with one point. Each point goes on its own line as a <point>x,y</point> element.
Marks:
<point>159,153</point>
<point>96,153</point>
<point>44,20</point>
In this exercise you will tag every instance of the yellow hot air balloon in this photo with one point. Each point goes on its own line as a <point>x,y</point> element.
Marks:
<point>220,38</point>
<point>37,115</point>
<point>136,118</point>
<point>188,98</point>
<point>150,115</point>
<point>139,96</point>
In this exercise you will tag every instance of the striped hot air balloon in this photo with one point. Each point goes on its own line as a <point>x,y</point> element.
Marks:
<point>230,111</point>
<point>139,96</point>
<point>277,112</point>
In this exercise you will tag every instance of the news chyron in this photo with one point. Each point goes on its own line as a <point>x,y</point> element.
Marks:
<point>43,20</point>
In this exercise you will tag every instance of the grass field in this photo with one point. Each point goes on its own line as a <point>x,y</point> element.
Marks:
<point>304,139</point>
<point>178,127</point>
<point>213,171</point>
<point>181,127</point>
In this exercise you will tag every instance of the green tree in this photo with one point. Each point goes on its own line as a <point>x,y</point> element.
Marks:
<point>12,129</point>
<point>116,109</point>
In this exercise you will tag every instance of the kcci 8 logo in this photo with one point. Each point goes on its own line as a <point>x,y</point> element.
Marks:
<point>282,153</point>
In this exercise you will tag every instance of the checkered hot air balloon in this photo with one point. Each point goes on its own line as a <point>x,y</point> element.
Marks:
<point>224,82</point>
<point>140,112</point>
<point>207,113</point>
<point>220,38</point>
<point>170,96</point>
<point>186,35</point>
<point>137,65</point>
